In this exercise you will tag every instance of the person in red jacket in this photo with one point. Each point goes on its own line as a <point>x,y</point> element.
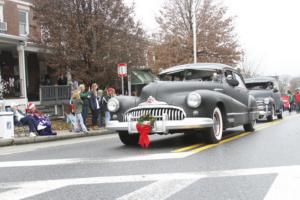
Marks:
<point>297,100</point>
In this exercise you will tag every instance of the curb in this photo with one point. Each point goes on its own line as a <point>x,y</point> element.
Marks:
<point>39,139</point>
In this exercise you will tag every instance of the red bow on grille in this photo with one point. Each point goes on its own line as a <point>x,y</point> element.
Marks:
<point>144,130</point>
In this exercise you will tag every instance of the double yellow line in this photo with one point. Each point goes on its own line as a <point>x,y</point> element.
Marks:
<point>195,148</point>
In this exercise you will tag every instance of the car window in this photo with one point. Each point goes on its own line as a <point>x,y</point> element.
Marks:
<point>203,75</point>
<point>173,76</point>
<point>192,75</point>
<point>240,80</point>
<point>260,86</point>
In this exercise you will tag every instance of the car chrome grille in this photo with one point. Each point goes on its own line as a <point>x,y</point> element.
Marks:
<point>171,112</point>
<point>260,105</point>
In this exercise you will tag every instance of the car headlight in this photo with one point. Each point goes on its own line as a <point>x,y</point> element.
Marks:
<point>266,101</point>
<point>113,105</point>
<point>194,100</point>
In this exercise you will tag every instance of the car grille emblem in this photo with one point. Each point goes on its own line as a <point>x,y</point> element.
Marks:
<point>151,100</point>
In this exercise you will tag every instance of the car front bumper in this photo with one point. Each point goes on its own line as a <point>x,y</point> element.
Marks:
<point>163,126</point>
<point>263,114</point>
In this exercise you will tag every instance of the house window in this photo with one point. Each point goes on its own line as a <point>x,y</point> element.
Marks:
<point>23,23</point>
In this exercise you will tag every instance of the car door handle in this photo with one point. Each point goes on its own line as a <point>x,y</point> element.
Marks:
<point>218,89</point>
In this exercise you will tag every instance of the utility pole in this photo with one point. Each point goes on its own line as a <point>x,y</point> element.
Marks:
<point>194,33</point>
<point>195,6</point>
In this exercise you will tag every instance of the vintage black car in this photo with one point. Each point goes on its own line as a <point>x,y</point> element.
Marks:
<point>204,98</point>
<point>265,90</point>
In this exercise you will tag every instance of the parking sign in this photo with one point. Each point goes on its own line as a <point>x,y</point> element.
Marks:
<point>122,69</point>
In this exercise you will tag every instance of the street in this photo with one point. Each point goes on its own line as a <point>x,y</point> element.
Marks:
<point>260,165</point>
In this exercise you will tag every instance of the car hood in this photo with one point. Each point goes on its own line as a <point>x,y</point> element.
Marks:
<point>260,94</point>
<point>166,90</point>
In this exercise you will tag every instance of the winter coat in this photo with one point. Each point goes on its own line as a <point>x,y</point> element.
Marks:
<point>94,101</point>
<point>78,105</point>
<point>104,101</point>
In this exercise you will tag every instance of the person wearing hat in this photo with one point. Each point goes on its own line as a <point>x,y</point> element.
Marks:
<point>43,123</point>
<point>22,119</point>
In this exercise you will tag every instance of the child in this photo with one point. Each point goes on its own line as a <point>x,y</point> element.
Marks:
<point>70,118</point>
<point>78,103</point>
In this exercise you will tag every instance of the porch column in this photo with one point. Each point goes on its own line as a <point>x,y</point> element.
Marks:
<point>22,72</point>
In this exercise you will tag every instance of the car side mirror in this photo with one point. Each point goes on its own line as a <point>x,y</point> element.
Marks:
<point>232,81</point>
<point>275,90</point>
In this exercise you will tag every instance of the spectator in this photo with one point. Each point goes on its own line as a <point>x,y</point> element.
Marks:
<point>291,100</point>
<point>74,85</point>
<point>21,119</point>
<point>78,104</point>
<point>85,99</point>
<point>62,79</point>
<point>43,123</point>
<point>297,100</point>
<point>95,105</point>
<point>47,80</point>
<point>110,92</point>
<point>101,113</point>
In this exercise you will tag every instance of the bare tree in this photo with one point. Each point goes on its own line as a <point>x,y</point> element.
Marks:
<point>294,83</point>
<point>215,33</point>
<point>249,67</point>
<point>90,36</point>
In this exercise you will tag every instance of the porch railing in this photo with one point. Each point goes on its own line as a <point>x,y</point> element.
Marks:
<point>55,95</point>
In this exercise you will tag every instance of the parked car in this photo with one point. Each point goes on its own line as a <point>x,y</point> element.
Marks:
<point>265,90</point>
<point>204,98</point>
<point>285,102</point>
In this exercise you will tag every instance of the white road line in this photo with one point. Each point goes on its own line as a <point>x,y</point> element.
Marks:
<point>159,190</point>
<point>288,177</point>
<point>36,163</point>
<point>36,146</point>
<point>285,186</point>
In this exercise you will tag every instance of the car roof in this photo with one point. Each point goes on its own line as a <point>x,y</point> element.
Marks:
<point>262,79</point>
<point>198,66</point>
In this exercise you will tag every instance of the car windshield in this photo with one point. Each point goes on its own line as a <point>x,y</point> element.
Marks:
<point>260,86</point>
<point>192,75</point>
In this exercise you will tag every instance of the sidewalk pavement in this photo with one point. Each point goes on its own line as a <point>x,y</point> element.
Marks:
<point>61,135</point>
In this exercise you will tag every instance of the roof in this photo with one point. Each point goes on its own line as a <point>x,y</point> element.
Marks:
<point>12,38</point>
<point>198,66</point>
<point>262,79</point>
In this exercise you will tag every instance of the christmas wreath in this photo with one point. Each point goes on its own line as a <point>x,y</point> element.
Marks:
<point>144,125</point>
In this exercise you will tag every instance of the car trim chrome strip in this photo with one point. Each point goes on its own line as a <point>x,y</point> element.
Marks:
<point>242,113</point>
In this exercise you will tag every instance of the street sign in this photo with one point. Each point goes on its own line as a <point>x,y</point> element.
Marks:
<point>122,70</point>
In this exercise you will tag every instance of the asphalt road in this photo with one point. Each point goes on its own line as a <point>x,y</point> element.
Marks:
<point>260,165</point>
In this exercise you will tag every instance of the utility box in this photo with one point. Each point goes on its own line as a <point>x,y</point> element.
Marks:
<point>6,125</point>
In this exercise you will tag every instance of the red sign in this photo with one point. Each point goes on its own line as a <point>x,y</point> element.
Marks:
<point>122,69</point>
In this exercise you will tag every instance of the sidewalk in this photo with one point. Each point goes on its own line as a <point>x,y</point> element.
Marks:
<point>61,135</point>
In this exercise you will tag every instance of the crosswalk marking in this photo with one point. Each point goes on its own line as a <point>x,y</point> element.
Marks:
<point>35,163</point>
<point>163,185</point>
<point>159,190</point>
<point>285,186</point>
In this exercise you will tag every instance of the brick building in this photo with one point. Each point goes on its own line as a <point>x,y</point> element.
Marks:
<point>21,66</point>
